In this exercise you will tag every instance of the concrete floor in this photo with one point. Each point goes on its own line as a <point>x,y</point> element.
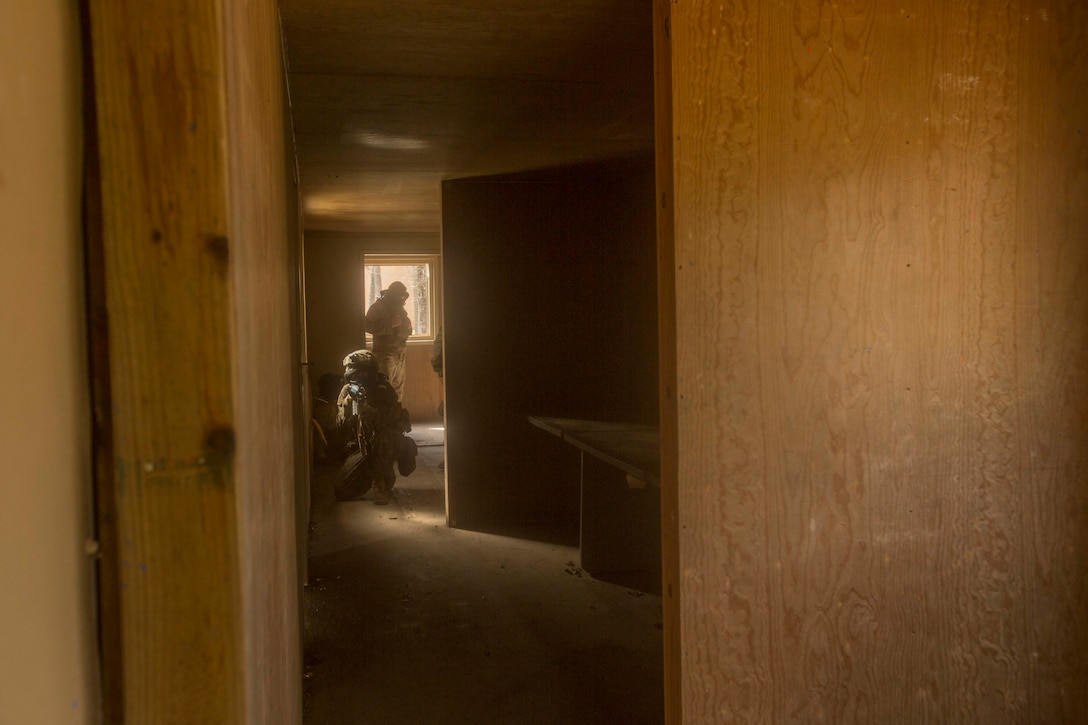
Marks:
<point>409,621</point>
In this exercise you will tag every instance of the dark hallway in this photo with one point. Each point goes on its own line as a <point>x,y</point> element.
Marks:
<point>409,621</point>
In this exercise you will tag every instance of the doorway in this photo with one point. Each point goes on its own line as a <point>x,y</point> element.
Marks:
<point>216,259</point>
<point>603,250</point>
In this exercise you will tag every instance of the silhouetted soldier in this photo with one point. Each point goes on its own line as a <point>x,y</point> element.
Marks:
<point>388,322</point>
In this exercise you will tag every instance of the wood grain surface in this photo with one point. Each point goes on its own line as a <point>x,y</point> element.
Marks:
<point>267,381</point>
<point>880,237</point>
<point>664,209</point>
<point>536,266</point>
<point>161,129</point>
<point>196,283</point>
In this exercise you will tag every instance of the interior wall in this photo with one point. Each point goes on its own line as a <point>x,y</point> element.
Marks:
<point>883,399</point>
<point>334,309</point>
<point>47,671</point>
<point>550,310</point>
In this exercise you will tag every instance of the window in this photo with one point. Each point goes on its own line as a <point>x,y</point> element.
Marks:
<point>415,272</point>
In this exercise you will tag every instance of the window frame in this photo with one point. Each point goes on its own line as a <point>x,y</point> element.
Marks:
<point>405,259</point>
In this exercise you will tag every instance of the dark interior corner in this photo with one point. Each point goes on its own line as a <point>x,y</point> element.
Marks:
<point>550,310</point>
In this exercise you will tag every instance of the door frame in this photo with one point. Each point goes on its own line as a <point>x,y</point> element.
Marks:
<point>667,363</point>
<point>193,362</point>
<point>198,28</point>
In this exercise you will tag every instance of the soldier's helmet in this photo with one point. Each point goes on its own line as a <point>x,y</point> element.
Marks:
<point>396,289</point>
<point>360,367</point>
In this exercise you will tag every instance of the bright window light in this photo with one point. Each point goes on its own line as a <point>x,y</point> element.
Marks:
<point>415,272</point>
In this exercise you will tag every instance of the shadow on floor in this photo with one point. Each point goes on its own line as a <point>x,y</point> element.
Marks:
<point>409,621</point>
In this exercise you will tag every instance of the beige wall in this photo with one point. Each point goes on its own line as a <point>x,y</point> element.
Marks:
<point>46,623</point>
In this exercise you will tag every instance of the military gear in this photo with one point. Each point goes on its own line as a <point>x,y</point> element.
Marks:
<point>388,323</point>
<point>368,407</point>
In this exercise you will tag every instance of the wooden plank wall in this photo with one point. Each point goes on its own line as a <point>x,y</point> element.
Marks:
<point>667,362</point>
<point>882,359</point>
<point>196,295</point>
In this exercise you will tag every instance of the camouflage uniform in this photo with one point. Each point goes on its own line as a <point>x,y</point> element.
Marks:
<point>388,322</point>
<point>383,419</point>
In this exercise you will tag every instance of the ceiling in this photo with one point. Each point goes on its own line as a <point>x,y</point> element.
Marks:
<point>390,97</point>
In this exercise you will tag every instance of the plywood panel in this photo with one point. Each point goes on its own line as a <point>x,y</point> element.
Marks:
<point>265,342</point>
<point>879,223</point>
<point>550,310</point>
<point>424,395</point>
<point>1051,331</point>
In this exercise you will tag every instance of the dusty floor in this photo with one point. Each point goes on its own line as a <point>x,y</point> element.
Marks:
<point>409,621</point>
